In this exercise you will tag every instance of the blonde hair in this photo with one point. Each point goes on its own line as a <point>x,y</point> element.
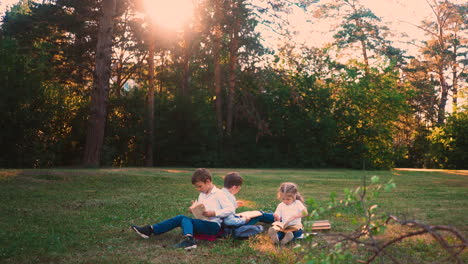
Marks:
<point>289,189</point>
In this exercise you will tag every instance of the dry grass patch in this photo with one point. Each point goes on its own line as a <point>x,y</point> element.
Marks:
<point>177,171</point>
<point>248,203</point>
<point>457,172</point>
<point>279,254</point>
<point>393,231</point>
<point>5,174</point>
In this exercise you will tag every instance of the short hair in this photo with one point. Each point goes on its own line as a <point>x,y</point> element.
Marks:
<point>201,175</point>
<point>233,179</point>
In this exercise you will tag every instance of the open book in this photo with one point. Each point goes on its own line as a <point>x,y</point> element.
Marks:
<point>250,214</point>
<point>285,227</point>
<point>197,211</point>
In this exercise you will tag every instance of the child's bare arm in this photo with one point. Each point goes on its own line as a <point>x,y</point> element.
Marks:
<point>276,217</point>
<point>209,213</point>
<point>189,209</point>
<point>303,213</point>
<point>247,219</point>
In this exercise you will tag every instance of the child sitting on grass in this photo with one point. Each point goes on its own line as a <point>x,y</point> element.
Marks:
<point>216,205</point>
<point>288,213</point>
<point>232,185</point>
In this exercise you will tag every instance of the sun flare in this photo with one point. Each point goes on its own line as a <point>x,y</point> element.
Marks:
<point>170,14</point>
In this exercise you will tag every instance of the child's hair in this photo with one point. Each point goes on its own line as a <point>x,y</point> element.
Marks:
<point>232,179</point>
<point>289,189</point>
<point>201,175</point>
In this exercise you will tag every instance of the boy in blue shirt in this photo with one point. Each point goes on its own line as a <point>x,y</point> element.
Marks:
<point>216,205</point>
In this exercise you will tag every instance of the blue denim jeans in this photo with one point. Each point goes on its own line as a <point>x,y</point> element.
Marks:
<point>296,234</point>
<point>264,218</point>
<point>189,226</point>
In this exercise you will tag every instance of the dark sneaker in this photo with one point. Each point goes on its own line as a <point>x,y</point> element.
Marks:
<point>144,231</point>
<point>287,238</point>
<point>187,243</point>
<point>273,234</point>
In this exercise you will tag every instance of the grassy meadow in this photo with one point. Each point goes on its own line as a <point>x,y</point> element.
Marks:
<point>83,215</point>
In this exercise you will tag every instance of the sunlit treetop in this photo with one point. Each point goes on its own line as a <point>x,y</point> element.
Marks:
<point>171,14</point>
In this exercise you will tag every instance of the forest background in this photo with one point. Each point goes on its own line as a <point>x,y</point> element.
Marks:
<point>212,94</point>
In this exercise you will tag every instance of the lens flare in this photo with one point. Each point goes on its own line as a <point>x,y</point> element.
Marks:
<point>169,14</point>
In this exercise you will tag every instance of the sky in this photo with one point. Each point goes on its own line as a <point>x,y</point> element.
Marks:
<point>5,3</point>
<point>390,10</point>
<point>399,15</point>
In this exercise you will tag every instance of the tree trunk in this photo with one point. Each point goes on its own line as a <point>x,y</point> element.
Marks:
<point>119,72</point>
<point>150,107</point>
<point>455,79</point>
<point>364,54</point>
<point>440,71</point>
<point>186,63</point>
<point>100,92</point>
<point>443,97</point>
<point>363,46</point>
<point>233,48</point>
<point>217,68</point>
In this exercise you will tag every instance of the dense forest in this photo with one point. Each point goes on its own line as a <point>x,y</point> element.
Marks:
<point>97,83</point>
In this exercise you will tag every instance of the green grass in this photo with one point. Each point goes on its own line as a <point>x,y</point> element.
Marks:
<point>83,215</point>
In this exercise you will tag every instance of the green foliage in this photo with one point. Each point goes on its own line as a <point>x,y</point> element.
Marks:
<point>371,221</point>
<point>448,143</point>
<point>336,256</point>
<point>366,109</point>
<point>440,147</point>
<point>300,110</point>
<point>27,109</point>
<point>124,145</point>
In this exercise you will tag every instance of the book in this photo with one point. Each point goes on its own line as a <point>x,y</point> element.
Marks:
<point>285,227</point>
<point>318,224</point>
<point>250,214</point>
<point>197,210</point>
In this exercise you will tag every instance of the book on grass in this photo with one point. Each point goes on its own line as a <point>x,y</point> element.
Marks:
<point>250,214</point>
<point>318,224</point>
<point>197,210</point>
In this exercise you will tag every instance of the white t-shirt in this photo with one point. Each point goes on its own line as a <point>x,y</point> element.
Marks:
<point>287,211</point>
<point>216,201</point>
<point>230,197</point>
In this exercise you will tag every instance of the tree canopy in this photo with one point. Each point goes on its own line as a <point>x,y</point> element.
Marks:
<point>210,94</point>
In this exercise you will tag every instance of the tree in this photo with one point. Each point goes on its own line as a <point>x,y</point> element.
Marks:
<point>217,46</point>
<point>150,105</point>
<point>128,49</point>
<point>449,143</point>
<point>21,91</point>
<point>360,26</point>
<point>445,51</point>
<point>233,57</point>
<point>100,92</point>
<point>45,35</point>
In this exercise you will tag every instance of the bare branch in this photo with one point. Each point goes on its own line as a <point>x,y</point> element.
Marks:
<point>422,28</point>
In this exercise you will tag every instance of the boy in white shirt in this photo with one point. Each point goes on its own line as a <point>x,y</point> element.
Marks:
<point>217,206</point>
